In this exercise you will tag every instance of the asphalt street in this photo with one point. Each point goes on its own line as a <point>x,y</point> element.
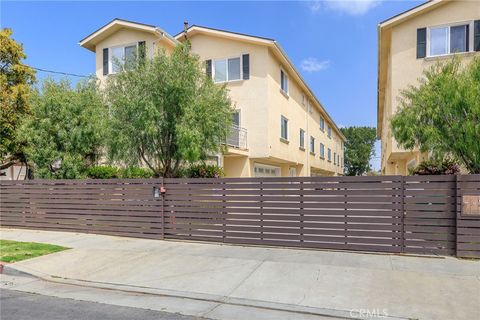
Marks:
<point>16,305</point>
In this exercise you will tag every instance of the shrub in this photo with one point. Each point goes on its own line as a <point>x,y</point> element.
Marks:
<point>204,171</point>
<point>436,167</point>
<point>103,172</point>
<point>110,172</point>
<point>136,173</point>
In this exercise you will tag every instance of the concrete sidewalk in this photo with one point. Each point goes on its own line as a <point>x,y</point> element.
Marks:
<point>340,284</point>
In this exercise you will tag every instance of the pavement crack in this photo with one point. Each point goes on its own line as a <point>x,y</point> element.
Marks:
<point>244,279</point>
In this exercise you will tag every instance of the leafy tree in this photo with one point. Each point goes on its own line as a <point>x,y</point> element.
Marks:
<point>66,129</point>
<point>165,112</point>
<point>442,114</point>
<point>359,148</point>
<point>15,82</point>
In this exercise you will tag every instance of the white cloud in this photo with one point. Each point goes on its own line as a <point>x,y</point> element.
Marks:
<point>313,65</point>
<point>351,7</point>
<point>315,6</point>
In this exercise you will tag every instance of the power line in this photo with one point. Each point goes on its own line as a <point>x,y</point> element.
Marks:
<point>59,72</point>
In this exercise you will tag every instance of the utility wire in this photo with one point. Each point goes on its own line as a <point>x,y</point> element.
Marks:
<point>62,73</point>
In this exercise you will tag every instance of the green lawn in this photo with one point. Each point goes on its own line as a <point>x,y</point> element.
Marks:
<point>13,251</point>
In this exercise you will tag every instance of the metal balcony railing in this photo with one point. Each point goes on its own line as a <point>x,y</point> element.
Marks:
<point>237,137</point>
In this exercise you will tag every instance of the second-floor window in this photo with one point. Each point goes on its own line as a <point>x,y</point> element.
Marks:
<point>284,81</point>
<point>302,138</point>
<point>329,155</point>
<point>322,151</point>
<point>312,144</point>
<point>284,128</point>
<point>329,132</point>
<point>322,124</point>
<point>226,69</point>
<point>121,57</point>
<point>448,39</point>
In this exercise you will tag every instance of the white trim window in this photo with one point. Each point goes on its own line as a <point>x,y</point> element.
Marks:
<point>263,170</point>
<point>312,144</point>
<point>120,56</point>
<point>322,151</point>
<point>302,138</point>
<point>228,69</point>
<point>329,155</point>
<point>329,132</point>
<point>449,39</point>
<point>284,82</point>
<point>322,124</point>
<point>284,128</point>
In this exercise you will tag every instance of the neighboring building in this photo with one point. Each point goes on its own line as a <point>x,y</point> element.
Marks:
<point>281,129</point>
<point>408,44</point>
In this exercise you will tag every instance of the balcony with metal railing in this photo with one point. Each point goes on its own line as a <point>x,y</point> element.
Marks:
<point>237,137</point>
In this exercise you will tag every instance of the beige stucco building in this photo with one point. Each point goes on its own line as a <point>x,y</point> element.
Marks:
<point>408,44</point>
<point>281,128</point>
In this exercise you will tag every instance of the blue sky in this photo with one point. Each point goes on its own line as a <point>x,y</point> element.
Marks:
<point>332,43</point>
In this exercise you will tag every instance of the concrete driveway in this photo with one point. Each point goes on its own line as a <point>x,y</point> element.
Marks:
<point>341,284</point>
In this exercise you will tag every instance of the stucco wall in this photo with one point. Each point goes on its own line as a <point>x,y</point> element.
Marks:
<point>299,116</point>
<point>248,96</point>
<point>126,37</point>
<point>262,104</point>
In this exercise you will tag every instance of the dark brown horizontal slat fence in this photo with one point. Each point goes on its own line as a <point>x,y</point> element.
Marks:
<point>331,212</point>
<point>112,207</point>
<point>395,214</point>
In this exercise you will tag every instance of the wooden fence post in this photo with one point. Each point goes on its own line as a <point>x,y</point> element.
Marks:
<point>458,209</point>
<point>163,209</point>
<point>261,210</point>
<point>402,212</point>
<point>224,213</point>
<point>302,220</point>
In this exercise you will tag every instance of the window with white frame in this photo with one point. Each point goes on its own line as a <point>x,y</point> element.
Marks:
<point>322,151</point>
<point>322,123</point>
<point>329,155</point>
<point>225,70</point>
<point>284,81</point>
<point>263,170</point>
<point>312,144</point>
<point>284,128</point>
<point>302,138</point>
<point>329,132</point>
<point>449,39</point>
<point>121,57</point>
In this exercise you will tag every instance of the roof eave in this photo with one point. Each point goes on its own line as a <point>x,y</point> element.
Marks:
<point>89,41</point>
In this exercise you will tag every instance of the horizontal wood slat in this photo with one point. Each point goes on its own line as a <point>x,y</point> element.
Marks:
<point>415,214</point>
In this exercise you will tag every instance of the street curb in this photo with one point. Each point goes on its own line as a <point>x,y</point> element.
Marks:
<point>257,304</point>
